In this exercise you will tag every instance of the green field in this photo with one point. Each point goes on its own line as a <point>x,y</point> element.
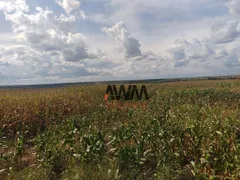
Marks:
<point>188,130</point>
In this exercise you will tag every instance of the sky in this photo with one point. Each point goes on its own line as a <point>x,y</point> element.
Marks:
<point>56,41</point>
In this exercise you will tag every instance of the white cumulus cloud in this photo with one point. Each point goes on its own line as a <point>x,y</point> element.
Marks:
<point>47,32</point>
<point>184,51</point>
<point>70,6</point>
<point>13,5</point>
<point>46,45</point>
<point>127,44</point>
<point>234,6</point>
<point>224,32</point>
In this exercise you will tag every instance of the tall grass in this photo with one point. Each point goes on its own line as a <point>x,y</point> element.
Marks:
<point>187,130</point>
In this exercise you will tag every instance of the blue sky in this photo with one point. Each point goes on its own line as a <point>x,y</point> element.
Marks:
<point>53,41</point>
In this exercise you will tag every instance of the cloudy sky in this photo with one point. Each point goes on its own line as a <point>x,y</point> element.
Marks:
<point>53,41</point>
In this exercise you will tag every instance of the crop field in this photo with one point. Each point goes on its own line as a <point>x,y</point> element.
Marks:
<point>186,131</point>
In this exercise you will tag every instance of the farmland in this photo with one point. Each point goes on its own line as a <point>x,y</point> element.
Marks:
<point>187,130</point>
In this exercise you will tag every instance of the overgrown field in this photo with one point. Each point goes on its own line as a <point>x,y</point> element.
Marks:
<point>188,130</point>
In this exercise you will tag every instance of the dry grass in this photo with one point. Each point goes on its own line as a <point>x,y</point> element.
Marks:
<point>188,130</point>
